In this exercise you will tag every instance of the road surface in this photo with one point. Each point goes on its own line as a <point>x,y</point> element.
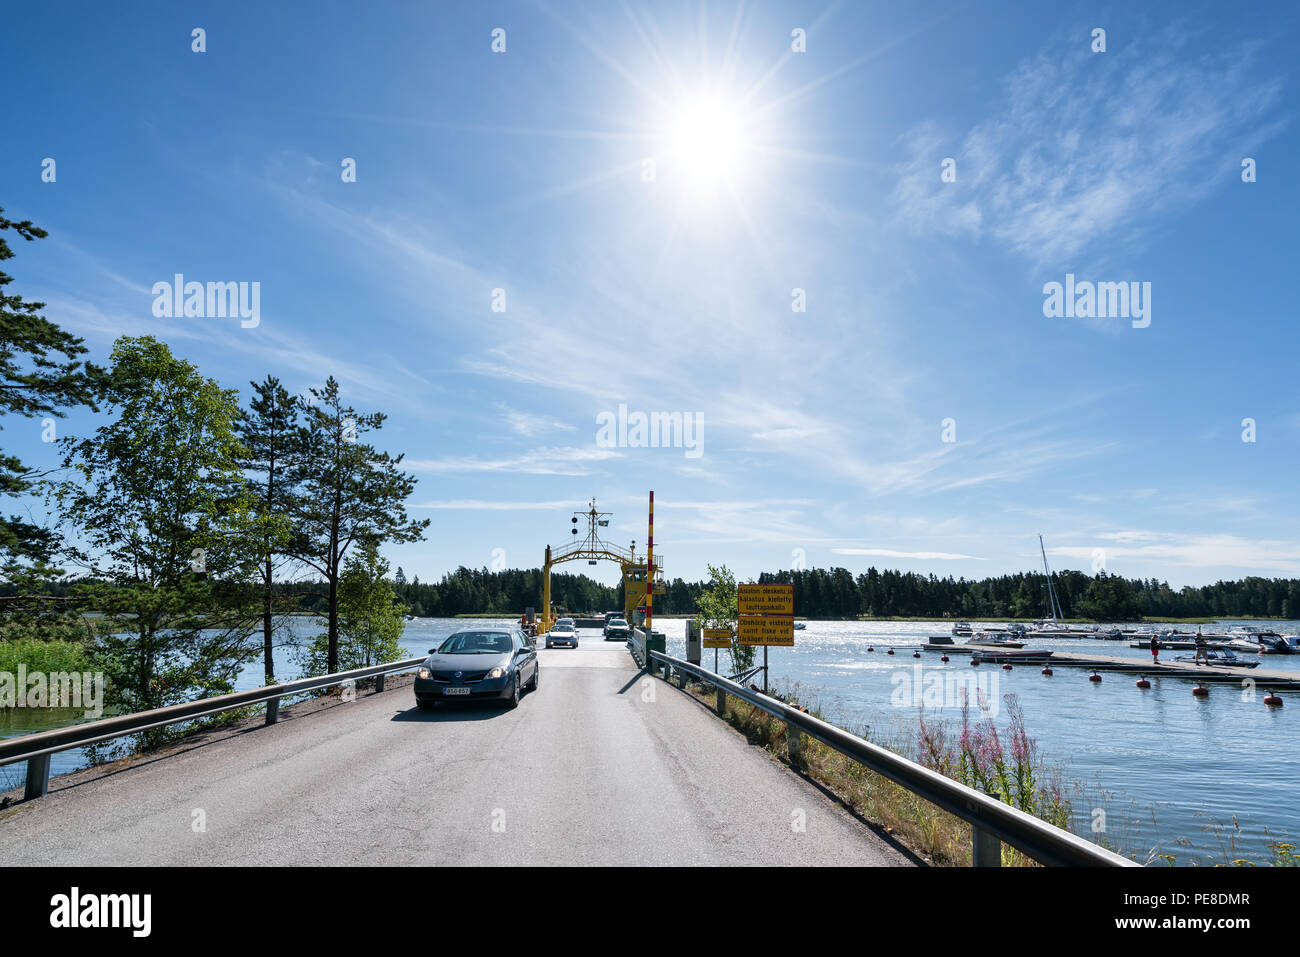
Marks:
<point>600,766</point>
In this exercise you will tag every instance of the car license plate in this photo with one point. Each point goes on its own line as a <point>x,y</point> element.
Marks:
<point>455,691</point>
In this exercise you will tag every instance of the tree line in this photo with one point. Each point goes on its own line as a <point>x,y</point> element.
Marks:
<point>838,593</point>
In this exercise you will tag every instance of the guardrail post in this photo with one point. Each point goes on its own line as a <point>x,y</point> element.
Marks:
<point>652,644</point>
<point>794,744</point>
<point>273,711</point>
<point>722,703</point>
<point>985,848</point>
<point>38,777</point>
<point>379,683</point>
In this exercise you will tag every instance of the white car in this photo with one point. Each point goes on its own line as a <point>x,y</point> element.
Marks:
<point>562,634</point>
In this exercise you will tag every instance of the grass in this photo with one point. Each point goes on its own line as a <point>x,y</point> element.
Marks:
<point>1004,762</point>
<point>44,656</point>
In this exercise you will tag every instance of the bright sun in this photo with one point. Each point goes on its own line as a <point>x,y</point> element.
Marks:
<point>706,141</point>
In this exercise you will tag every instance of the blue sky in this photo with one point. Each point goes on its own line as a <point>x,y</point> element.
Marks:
<point>774,170</point>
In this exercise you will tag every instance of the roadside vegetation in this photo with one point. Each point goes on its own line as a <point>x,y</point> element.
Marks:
<point>1004,762</point>
<point>174,518</point>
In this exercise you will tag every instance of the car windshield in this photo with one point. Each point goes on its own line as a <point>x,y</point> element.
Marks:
<point>476,643</point>
<point>617,622</point>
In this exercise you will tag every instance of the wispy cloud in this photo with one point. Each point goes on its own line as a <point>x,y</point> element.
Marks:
<point>1222,551</point>
<point>544,461</point>
<point>894,553</point>
<point>482,505</point>
<point>1087,146</point>
<point>530,424</point>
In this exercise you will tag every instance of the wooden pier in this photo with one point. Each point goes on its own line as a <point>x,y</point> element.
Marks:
<point>1262,677</point>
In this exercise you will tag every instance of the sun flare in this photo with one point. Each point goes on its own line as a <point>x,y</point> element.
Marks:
<point>707,141</point>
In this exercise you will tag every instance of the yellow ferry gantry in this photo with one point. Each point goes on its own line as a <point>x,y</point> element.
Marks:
<point>593,549</point>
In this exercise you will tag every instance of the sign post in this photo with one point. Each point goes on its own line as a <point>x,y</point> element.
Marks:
<point>716,638</point>
<point>650,584</point>
<point>766,618</point>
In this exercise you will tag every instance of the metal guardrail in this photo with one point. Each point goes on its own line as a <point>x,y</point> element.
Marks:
<point>991,821</point>
<point>36,748</point>
<point>637,643</point>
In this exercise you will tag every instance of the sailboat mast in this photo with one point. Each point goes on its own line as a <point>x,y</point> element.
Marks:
<point>1053,604</point>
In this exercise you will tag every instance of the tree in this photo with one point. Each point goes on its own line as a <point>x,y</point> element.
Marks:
<point>370,617</point>
<point>270,432</point>
<point>167,531</point>
<point>348,491</point>
<point>34,381</point>
<point>718,608</point>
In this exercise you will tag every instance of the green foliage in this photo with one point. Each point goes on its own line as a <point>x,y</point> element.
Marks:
<point>717,608</point>
<point>41,374</point>
<point>167,531</point>
<point>371,619</point>
<point>46,656</point>
<point>835,593</point>
<point>272,439</point>
<point>347,491</point>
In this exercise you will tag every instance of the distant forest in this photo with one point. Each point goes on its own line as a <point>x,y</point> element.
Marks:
<point>837,593</point>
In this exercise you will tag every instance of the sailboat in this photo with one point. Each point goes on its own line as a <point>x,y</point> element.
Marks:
<point>1053,626</point>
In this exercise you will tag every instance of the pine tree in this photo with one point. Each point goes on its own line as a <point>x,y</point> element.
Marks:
<point>348,492</point>
<point>34,381</point>
<point>269,430</point>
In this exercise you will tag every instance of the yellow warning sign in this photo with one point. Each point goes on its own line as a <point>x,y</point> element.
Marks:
<point>759,630</point>
<point>716,637</point>
<point>765,599</point>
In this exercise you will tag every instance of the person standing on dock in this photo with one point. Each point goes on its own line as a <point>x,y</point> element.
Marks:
<point>1201,648</point>
<point>1155,649</point>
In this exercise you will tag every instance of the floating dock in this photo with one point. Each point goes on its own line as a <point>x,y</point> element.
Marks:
<point>1261,677</point>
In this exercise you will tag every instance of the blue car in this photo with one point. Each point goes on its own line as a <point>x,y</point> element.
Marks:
<point>493,665</point>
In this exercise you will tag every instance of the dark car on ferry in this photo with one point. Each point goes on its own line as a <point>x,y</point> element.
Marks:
<point>497,664</point>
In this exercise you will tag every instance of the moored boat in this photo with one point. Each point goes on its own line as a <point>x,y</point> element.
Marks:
<point>1027,656</point>
<point>1222,657</point>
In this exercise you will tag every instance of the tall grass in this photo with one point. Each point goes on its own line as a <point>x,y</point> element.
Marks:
<point>1003,762</point>
<point>46,656</point>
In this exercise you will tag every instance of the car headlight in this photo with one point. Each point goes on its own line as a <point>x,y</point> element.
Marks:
<point>424,672</point>
<point>497,673</point>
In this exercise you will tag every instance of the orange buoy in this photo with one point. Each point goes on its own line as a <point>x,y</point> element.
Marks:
<point>890,651</point>
<point>1273,701</point>
<point>943,658</point>
<point>1199,691</point>
<point>1048,672</point>
<point>1094,677</point>
<point>869,648</point>
<point>1143,683</point>
<point>1007,666</point>
<point>916,654</point>
<point>974,662</point>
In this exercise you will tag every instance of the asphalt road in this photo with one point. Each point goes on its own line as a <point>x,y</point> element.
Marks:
<point>599,766</point>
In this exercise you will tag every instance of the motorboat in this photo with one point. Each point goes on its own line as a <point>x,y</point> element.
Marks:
<point>1001,639</point>
<point>1028,656</point>
<point>1222,657</point>
<point>962,630</point>
<point>1281,645</point>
